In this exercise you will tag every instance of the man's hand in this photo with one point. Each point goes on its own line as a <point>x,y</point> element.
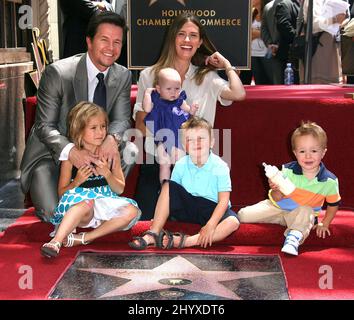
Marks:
<point>108,150</point>
<point>102,167</point>
<point>81,158</point>
<point>100,5</point>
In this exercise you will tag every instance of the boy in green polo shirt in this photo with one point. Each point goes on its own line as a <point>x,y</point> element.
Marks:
<point>198,192</point>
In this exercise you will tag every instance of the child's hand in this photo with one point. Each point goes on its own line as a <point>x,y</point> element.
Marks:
<point>276,193</point>
<point>206,236</point>
<point>321,230</point>
<point>82,174</point>
<point>273,185</point>
<point>102,167</point>
<point>194,108</point>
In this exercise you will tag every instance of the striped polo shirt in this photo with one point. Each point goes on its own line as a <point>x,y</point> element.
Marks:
<point>312,193</point>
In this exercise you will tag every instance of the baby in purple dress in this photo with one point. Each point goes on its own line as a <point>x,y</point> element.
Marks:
<point>167,110</point>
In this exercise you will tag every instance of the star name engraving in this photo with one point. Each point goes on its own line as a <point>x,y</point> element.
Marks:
<point>205,282</point>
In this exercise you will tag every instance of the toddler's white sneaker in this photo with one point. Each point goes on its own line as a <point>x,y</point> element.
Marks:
<point>292,242</point>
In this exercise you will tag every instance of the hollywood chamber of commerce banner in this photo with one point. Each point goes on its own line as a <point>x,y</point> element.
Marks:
<point>227,23</point>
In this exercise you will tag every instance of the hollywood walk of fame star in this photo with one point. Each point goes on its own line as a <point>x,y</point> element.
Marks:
<point>180,1</point>
<point>206,282</point>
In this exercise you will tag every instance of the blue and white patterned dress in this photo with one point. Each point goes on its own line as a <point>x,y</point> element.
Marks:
<point>107,203</point>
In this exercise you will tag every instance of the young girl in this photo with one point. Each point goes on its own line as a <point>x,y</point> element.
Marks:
<point>167,110</point>
<point>89,195</point>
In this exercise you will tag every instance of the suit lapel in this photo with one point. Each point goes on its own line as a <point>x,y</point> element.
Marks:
<point>80,83</point>
<point>112,84</point>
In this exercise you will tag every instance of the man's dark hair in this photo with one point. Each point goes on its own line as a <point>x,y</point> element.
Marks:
<point>104,17</point>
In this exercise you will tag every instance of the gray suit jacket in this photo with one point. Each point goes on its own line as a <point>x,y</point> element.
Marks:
<point>63,85</point>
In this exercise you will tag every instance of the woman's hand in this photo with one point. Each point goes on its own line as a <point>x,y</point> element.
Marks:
<point>149,91</point>
<point>339,18</point>
<point>217,60</point>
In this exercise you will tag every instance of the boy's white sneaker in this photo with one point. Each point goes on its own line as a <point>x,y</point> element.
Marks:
<point>292,242</point>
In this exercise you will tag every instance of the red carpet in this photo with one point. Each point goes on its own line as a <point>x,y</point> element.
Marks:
<point>260,132</point>
<point>19,256</point>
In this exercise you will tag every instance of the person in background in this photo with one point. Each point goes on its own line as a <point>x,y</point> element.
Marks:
<point>286,13</point>
<point>270,36</point>
<point>261,65</point>
<point>328,49</point>
<point>76,15</point>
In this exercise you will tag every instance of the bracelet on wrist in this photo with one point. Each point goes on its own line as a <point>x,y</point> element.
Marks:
<point>231,68</point>
<point>116,137</point>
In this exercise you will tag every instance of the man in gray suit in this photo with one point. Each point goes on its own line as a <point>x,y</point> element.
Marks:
<point>64,84</point>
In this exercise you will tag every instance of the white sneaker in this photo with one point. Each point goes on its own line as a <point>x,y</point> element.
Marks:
<point>292,241</point>
<point>290,249</point>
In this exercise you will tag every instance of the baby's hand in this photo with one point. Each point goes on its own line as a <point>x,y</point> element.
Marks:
<point>321,230</point>
<point>194,108</point>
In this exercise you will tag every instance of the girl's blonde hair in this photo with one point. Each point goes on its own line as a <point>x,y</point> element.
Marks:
<point>78,118</point>
<point>309,128</point>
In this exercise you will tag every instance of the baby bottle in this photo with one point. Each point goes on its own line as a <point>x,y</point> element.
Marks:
<point>285,185</point>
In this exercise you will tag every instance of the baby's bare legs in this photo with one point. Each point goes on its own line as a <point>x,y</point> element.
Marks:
<point>164,162</point>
